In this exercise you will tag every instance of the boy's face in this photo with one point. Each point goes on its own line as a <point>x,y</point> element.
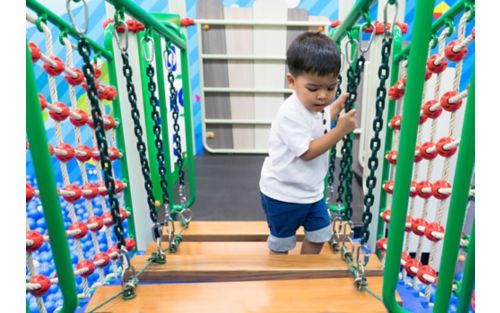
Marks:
<point>315,92</point>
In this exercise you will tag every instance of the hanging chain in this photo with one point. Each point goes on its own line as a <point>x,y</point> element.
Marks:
<point>333,150</point>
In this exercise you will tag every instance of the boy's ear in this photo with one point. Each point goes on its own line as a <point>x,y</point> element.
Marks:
<point>291,81</point>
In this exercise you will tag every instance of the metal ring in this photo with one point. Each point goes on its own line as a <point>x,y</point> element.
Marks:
<point>171,56</point>
<point>349,237</point>
<point>361,50</point>
<point>347,50</point>
<point>86,16</point>
<point>151,48</point>
<point>117,38</point>
<point>385,16</point>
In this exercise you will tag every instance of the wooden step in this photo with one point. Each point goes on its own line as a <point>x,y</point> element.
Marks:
<point>304,296</point>
<point>227,231</point>
<point>215,268</point>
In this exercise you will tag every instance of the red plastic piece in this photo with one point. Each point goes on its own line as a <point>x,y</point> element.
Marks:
<point>389,186</point>
<point>36,53</point>
<point>428,155</point>
<point>420,189</point>
<point>436,68</point>
<point>395,93</point>
<point>412,264</point>
<point>427,109</point>
<point>119,186</point>
<point>37,239</point>
<point>381,243</point>
<point>433,227</point>
<point>107,219</point>
<point>96,84</point>
<point>43,101</point>
<point>89,191</point>
<point>442,151</point>
<point>75,81</point>
<point>44,283</point>
<point>109,122</point>
<point>452,55</point>
<point>134,26</point>
<point>130,244</point>
<point>82,121</point>
<point>97,71</point>
<point>113,252</point>
<point>111,93</point>
<point>392,157</point>
<point>413,189</point>
<point>62,115</point>
<point>54,71</point>
<point>96,155</point>
<point>379,28</point>
<point>30,192</point>
<point>123,214</point>
<point>87,153</point>
<point>335,23</point>
<point>79,226</point>
<point>426,269</point>
<point>386,216</point>
<point>422,118</point>
<point>70,152</point>
<point>103,191</point>
<point>185,22</point>
<point>95,220</point>
<point>447,105</point>
<point>419,223</point>
<point>395,122</point>
<point>436,186</point>
<point>405,258</point>
<point>77,193</point>
<point>408,224</point>
<point>113,154</point>
<point>102,257</point>
<point>86,264</point>
<point>428,74</point>
<point>403,26</point>
<point>51,149</point>
<point>418,156</point>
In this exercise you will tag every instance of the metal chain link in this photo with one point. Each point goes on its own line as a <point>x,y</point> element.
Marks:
<point>88,72</point>
<point>375,143</point>
<point>333,150</point>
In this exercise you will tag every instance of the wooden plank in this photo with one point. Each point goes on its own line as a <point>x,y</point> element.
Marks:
<point>268,41</point>
<point>215,74</point>
<point>239,41</point>
<point>301,296</point>
<point>214,268</point>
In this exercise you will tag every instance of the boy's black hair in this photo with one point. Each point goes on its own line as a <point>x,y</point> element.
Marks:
<point>313,53</point>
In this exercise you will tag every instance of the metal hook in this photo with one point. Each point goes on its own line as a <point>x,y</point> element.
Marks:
<point>361,50</point>
<point>86,16</point>
<point>386,29</point>
<point>170,58</point>
<point>350,42</point>
<point>117,38</point>
<point>151,53</point>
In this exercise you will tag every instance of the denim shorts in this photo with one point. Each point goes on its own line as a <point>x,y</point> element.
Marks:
<point>284,218</point>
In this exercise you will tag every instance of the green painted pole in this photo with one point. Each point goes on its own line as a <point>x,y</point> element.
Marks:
<point>406,150</point>
<point>63,25</point>
<point>458,204</point>
<point>39,148</point>
<point>354,15</point>
<point>389,132</point>
<point>113,80</point>
<point>467,285</point>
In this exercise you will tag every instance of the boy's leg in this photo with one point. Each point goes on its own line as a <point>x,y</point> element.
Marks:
<point>311,247</point>
<point>318,229</point>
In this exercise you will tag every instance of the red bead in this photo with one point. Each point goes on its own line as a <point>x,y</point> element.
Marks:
<point>30,192</point>
<point>83,153</point>
<point>386,215</point>
<point>54,71</point>
<point>74,81</point>
<point>379,28</point>
<point>424,185</point>
<point>89,191</point>
<point>428,270</point>
<point>107,219</point>
<point>412,266</point>
<point>189,21</point>
<point>111,93</point>
<point>422,118</point>
<point>77,193</point>
<point>44,283</point>
<point>86,264</point>
<point>113,252</point>
<point>61,116</point>
<point>82,227</point>
<point>413,189</point>
<point>395,122</point>
<point>70,152</point>
<point>37,239</point>
<point>428,155</point>
<point>109,122</point>
<point>418,226</point>
<point>96,155</point>
<point>103,191</point>
<point>51,149</point>
<point>119,186</point>
<point>382,244</point>
<point>101,92</point>
<point>442,151</point>
<point>83,118</point>
<point>130,244</point>
<point>418,156</point>
<point>452,55</point>
<point>335,23</point>
<point>436,68</point>
<point>123,214</point>
<point>135,26</point>
<point>438,185</point>
<point>447,105</point>
<point>428,74</point>
<point>389,186</point>
<point>403,26</point>
<point>405,258</point>
<point>428,112</point>
<point>95,220</point>
<point>97,71</point>
<point>43,101</point>
<point>107,22</point>
<point>433,227</point>
<point>101,257</point>
<point>408,224</point>
<point>96,84</point>
<point>392,157</point>
<point>36,53</point>
<point>395,93</point>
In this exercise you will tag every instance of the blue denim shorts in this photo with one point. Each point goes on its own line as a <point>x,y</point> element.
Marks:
<point>284,218</point>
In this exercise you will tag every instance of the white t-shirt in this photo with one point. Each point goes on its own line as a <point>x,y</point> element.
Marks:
<point>284,175</point>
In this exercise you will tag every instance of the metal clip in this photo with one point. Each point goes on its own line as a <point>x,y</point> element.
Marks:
<point>335,240</point>
<point>127,271</point>
<point>85,15</point>
<point>345,251</point>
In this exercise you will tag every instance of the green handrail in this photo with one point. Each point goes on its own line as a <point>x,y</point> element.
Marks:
<point>354,15</point>
<point>468,278</point>
<point>37,139</point>
<point>391,109</point>
<point>406,150</point>
<point>458,203</point>
<point>113,80</point>
<point>175,35</point>
<point>447,16</point>
<point>63,25</point>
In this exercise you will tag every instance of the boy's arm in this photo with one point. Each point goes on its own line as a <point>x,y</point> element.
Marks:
<point>338,105</point>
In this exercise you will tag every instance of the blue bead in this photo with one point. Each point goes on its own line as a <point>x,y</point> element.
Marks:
<point>452,308</point>
<point>59,303</point>
<point>40,222</point>
<point>31,222</point>
<point>74,259</point>
<point>33,307</point>
<point>41,230</point>
<point>50,306</point>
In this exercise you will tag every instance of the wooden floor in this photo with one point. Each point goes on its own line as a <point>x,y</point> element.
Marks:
<point>305,295</point>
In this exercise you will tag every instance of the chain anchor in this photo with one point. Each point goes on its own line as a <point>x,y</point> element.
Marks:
<point>128,271</point>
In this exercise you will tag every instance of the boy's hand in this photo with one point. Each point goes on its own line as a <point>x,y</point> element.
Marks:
<point>339,104</point>
<point>347,122</point>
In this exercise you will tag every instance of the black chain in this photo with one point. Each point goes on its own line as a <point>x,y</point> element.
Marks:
<point>333,150</point>
<point>88,72</point>
<point>141,146</point>
<point>345,176</point>
<point>371,180</point>
<point>155,116</point>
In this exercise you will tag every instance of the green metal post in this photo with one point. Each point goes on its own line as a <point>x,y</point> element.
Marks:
<point>406,151</point>
<point>389,132</point>
<point>120,137</point>
<point>48,192</point>
<point>468,278</point>
<point>458,203</point>
<point>354,15</point>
